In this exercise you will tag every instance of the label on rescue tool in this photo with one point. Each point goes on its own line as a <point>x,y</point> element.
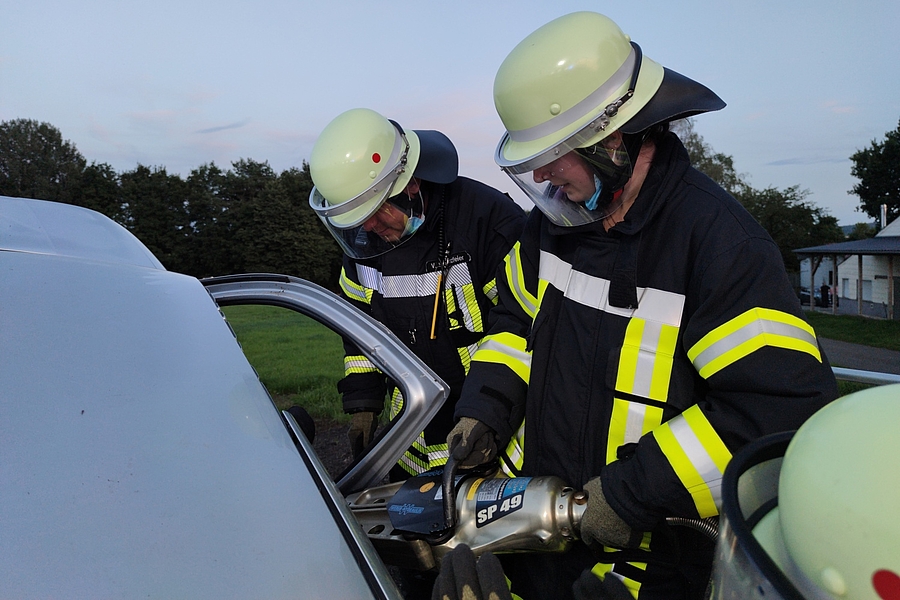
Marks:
<point>496,498</point>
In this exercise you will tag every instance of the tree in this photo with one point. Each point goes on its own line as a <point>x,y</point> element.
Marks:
<point>878,170</point>
<point>35,161</point>
<point>861,231</point>
<point>154,211</point>
<point>715,165</point>
<point>790,220</point>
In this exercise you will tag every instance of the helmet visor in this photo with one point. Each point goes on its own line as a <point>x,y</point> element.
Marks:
<point>391,225</point>
<point>581,186</point>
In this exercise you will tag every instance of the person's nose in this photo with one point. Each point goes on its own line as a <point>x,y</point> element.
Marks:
<point>542,174</point>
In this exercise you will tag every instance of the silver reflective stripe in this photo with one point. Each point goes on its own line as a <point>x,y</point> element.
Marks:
<point>653,305</point>
<point>698,456</point>
<point>410,286</point>
<point>598,98</point>
<point>747,333</point>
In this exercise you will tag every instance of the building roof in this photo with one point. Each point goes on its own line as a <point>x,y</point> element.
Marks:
<point>875,245</point>
<point>885,242</point>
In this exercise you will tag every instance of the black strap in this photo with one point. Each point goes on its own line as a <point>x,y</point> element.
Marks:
<point>623,286</point>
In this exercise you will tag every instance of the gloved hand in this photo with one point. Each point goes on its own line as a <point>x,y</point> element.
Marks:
<point>600,523</point>
<point>362,429</point>
<point>471,443</point>
<point>462,578</point>
<point>591,587</point>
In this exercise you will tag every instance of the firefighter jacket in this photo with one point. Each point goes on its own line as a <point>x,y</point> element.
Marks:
<point>646,355</point>
<point>468,230</point>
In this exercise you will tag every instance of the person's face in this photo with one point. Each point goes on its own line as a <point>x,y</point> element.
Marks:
<point>389,222</point>
<point>571,174</point>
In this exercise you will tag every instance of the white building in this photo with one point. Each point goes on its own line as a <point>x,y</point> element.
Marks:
<point>864,272</point>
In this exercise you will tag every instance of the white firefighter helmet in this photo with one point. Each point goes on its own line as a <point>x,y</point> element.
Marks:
<point>570,84</point>
<point>362,163</point>
<point>827,525</point>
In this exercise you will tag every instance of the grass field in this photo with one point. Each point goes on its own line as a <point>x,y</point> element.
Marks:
<point>301,361</point>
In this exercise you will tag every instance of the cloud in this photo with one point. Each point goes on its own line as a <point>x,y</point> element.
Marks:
<point>840,109</point>
<point>236,125</point>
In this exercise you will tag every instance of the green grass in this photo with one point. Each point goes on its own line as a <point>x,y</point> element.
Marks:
<point>298,359</point>
<point>858,330</point>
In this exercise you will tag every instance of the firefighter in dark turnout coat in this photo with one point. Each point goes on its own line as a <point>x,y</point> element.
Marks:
<point>376,186</point>
<point>646,328</point>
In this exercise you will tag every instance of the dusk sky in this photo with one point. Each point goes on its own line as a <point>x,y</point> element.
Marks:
<point>179,84</point>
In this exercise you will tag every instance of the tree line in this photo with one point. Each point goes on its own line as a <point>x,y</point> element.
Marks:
<point>250,219</point>
<point>246,219</point>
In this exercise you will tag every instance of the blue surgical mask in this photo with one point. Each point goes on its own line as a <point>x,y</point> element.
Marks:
<point>591,204</point>
<point>412,224</point>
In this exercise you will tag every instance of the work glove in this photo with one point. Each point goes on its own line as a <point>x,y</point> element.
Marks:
<point>591,587</point>
<point>362,429</point>
<point>463,577</point>
<point>600,523</point>
<point>471,443</point>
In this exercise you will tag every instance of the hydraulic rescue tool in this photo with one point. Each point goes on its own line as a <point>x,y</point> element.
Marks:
<point>413,524</point>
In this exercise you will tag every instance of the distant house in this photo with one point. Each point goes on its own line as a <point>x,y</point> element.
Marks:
<point>863,272</point>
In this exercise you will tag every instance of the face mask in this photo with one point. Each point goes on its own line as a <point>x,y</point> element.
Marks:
<point>591,203</point>
<point>412,224</point>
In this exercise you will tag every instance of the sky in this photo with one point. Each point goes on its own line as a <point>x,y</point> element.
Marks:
<point>183,83</point>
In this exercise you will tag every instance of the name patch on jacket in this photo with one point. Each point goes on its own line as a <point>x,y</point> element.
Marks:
<point>454,259</point>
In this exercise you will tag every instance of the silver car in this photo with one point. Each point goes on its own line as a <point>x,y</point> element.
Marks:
<point>140,456</point>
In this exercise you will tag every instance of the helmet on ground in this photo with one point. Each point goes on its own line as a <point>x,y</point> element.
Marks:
<point>362,167</point>
<point>826,526</point>
<point>570,85</point>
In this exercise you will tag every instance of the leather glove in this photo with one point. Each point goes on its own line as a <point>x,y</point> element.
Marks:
<point>591,587</point>
<point>462,577</point>
<point>362,429</point>
<point>600,523</point>
<point>471,443</point>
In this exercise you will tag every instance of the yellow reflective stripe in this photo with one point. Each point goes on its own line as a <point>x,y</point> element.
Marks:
<point>465,356</point>
<point>747,333</point>
<point>515,451</point>
<point>396,404</point>
<point>604,570</point>
<point>698,456</point>
<point>512,266</point>
<point>506,349</point>
<point>471,310</point>
<point>354,290</point>
<point>645,369</point>
<point>450,303</point>
<point>490,290</point>
<point>358,364</point>
<point>629,421</point>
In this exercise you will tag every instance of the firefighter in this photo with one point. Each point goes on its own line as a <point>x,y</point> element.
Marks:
<point>822,522</point>
<point>421,249</point>
<point>646,328</point>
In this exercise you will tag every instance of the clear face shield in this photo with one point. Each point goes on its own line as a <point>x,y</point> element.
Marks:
<point>581,186</point>
<point>379,219</point>
<point>393,223</point>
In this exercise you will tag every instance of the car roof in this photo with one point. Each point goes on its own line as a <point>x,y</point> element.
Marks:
<point>141,455</point>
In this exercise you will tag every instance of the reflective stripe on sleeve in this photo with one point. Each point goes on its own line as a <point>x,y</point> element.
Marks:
<point>747,333</point>
<point>515,452</point>
<point>698,456</point>
<point>506,349</point>
<point>353,290</point>
<point>358,364</point>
